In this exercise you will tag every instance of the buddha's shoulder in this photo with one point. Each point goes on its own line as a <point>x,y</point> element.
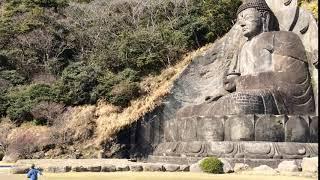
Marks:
<point>284,43</point>
<point>284,36</point>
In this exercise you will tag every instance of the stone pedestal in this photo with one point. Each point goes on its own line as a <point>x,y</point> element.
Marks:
<point>252,127</point>
<point>240,149</point>
<point>252,139</point>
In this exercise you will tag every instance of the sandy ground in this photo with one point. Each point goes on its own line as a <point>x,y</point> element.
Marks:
<point>147,176</point>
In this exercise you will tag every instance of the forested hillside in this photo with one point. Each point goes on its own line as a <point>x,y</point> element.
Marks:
<point>66,53</point>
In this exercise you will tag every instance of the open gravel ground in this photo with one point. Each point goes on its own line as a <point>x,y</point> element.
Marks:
<point>147,176</point>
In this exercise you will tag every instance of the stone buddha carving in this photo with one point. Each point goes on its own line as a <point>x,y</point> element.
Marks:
<point>264,110</point>
<point>270,74</point>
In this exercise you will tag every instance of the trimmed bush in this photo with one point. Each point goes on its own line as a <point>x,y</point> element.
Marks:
<point>212,165</point>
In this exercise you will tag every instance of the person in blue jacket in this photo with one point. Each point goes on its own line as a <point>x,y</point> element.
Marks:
<point>33,173</point>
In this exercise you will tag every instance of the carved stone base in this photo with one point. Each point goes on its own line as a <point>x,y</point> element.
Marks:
<point>190,160</point>
<point>240,149</point>
<point>250,127</point>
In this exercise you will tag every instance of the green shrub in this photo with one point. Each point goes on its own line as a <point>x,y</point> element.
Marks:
<point>77,84</point>
<point>22,99</point>
<point>13,77</point>
<point>122,93</point>
<point>129,74</point>
<point>46,3</point>
<point>212,165</point>
<point>3,104</point>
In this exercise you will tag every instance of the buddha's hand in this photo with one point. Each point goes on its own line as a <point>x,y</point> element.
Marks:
<point>221,92</point>
<point>229,83</point>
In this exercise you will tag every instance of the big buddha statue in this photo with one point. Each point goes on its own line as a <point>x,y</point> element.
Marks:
<point>265,108</point>
<point>270,74</point>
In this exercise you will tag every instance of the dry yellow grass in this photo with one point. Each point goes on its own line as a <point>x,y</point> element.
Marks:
<point>79,120</point>
<point>28,129</point>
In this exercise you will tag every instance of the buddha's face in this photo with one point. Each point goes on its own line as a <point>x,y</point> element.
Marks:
<point>250,22</point>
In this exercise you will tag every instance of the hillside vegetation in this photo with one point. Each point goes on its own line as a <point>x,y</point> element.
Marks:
<point>72,73</point>
<point>74,54</point>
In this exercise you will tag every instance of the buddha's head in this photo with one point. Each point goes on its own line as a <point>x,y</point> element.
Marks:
<point>255,17</point>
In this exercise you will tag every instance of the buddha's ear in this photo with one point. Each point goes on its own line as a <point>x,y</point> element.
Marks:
<point>265,16</point>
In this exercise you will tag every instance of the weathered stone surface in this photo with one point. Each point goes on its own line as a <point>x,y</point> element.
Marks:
<point>288,166</point>
<point>264,170</point>
<point>94,168</point>
<point>257,150</point>
<point>240,149</point>
<point>285,12</point>
<point>270,128</point>
<point>188,132</point>
<point>240,167</point>
<point>122,168</point>
<point>195,168</point>
<point>227,168</point>
<point>171,167</point>
<point>239,128</point>
<point>310,164</point>
<point>19,170</point>
<point>297,129</point>
<point>210,128</point>
<point>80,169</point>
<point>153,167</point>
<point>222,149</point>
<point>294,150</point>
<point>136,168</point>
<point>108,168</point>
<point>184,168</point>
<point>171,131</point>
<point>58,169</point>
<point>314,133</point>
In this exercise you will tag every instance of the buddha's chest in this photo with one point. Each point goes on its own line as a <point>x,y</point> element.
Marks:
<point>254,58</point>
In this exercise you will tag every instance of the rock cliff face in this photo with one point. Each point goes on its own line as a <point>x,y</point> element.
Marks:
<point>203,77</point>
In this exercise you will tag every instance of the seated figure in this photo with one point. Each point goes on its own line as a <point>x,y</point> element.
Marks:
<point>270,75</point>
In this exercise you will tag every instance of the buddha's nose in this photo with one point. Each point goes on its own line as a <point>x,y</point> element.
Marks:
<point>242,24</point>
